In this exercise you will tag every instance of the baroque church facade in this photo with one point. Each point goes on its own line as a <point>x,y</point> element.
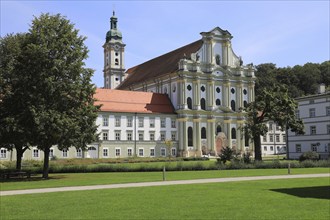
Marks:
<point>206,82</point>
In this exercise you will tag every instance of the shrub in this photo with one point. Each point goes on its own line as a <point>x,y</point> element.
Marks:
<point>226,154</point>
<point>247,157</point>
<point>310,155</point>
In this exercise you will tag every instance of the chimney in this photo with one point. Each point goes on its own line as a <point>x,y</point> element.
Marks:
<point>321,88</point>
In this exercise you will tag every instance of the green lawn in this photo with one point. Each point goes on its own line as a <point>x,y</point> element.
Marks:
<point>266,199</point>
<point>80,179</point>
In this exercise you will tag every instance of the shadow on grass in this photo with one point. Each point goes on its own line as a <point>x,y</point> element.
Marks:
<point>33,178</point>
<point>316,192</point>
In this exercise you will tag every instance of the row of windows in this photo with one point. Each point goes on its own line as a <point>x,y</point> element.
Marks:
<point>312,112</point>
<point>314,147</point>
<point>271,148</point>
<point>140,152</point>
<point>105,152</point>
<point>36,153</point>
<point>218,90</point>
<point>129,136</point>
<point>277,138</point>
<point>313,130</point>
<point>217,102</point>
<point>140,122</point>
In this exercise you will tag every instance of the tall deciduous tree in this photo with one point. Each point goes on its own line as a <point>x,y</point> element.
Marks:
<point>58,91</point>
<point>12,111</point>
<point>272,104</point>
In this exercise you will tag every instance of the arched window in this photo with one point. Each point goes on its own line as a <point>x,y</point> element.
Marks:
<point>218,102</point>
<point>233,133</point>
<point>116,61</point>
<point>245,104</point>
<point>203,133</point>
<point>190,136</point>
<point>246,140</point>
<point>233,105</point>
<point>218,129</point>
<point>203,103</point>
<point>189,103</point>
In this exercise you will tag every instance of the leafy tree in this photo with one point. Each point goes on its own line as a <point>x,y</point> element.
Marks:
<point>12,110</point>
<point>272,104</point>
<point>58,91</point>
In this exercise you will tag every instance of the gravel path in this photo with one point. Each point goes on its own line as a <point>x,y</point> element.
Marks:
<point>160,183</point>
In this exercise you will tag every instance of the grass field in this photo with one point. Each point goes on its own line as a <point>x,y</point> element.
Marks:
<point>81,179</point>
<point>276,199</point>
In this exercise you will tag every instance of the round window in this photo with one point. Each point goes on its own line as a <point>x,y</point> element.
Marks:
<point>189,87</point>
<point>244,92</point>
<point>218,90</point>
<point>203,88</point>
<point>232,90</point>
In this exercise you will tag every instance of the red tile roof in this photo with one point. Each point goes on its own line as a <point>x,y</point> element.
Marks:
<point>133,101</point>
<point>167,63</point>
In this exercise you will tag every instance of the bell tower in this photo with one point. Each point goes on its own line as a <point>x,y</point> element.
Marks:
<point>114,48</point>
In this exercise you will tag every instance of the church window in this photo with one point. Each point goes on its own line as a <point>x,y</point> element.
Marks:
<point>203,133</point>
<point>233,105</point>
<point>116,61</point>
<point>218,129</point>
<point>203,88</point>
<point>217,59</point>
<point>189,103</point>
<point>174,88</point>
<point>244,92</point>
<point>245,104</point>
<point>117,79</point>
<point>116,54</point>
<point>232,90</point>
<point>218,102</point>
<point>190,136</point>
<point>233,133</point>
<point>203,103</point>
<point>189,87</point>
<point>218,90</point>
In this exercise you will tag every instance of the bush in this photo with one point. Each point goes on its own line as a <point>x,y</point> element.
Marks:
<point>310,155</point>
<point>226,154</point>
<point>247,157</point>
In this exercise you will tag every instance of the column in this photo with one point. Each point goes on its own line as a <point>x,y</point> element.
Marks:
<point>251,92</point>
<point>197,136</point>
<point>183,95</point>
<point>211,134</point>
<point>229,133</point>
<point>179,101</point>
<point>196,95</point>
<point>210,95</point>
<point>181,141</point>
<point>239,97</point>
<point>185,135</point>
<point>226,94</point>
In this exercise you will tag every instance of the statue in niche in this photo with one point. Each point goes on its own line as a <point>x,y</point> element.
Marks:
<point>217,59</point>
<point>221,142</point>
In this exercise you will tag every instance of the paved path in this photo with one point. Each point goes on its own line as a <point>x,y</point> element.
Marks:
<point>160,183</point>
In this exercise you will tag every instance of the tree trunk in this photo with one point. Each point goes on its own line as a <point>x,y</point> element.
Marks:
<point>46,163</point>
<point>19,155</point>
<point>257,148</point>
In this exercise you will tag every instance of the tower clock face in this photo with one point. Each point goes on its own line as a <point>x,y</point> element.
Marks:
<point>116,47</point>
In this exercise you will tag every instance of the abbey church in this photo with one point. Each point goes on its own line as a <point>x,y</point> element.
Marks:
<point>206,84</point>
<point>185,103</point>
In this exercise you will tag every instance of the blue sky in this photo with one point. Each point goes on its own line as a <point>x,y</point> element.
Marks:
<point>286,33</point>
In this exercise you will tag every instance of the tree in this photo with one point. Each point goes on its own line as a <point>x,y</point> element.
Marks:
<point>272,104</point>
<point>12,115</point>
<point>58,93</point>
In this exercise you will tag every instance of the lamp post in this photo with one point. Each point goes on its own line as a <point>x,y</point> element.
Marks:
<point>135,154</point>
<point>274,127</point>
